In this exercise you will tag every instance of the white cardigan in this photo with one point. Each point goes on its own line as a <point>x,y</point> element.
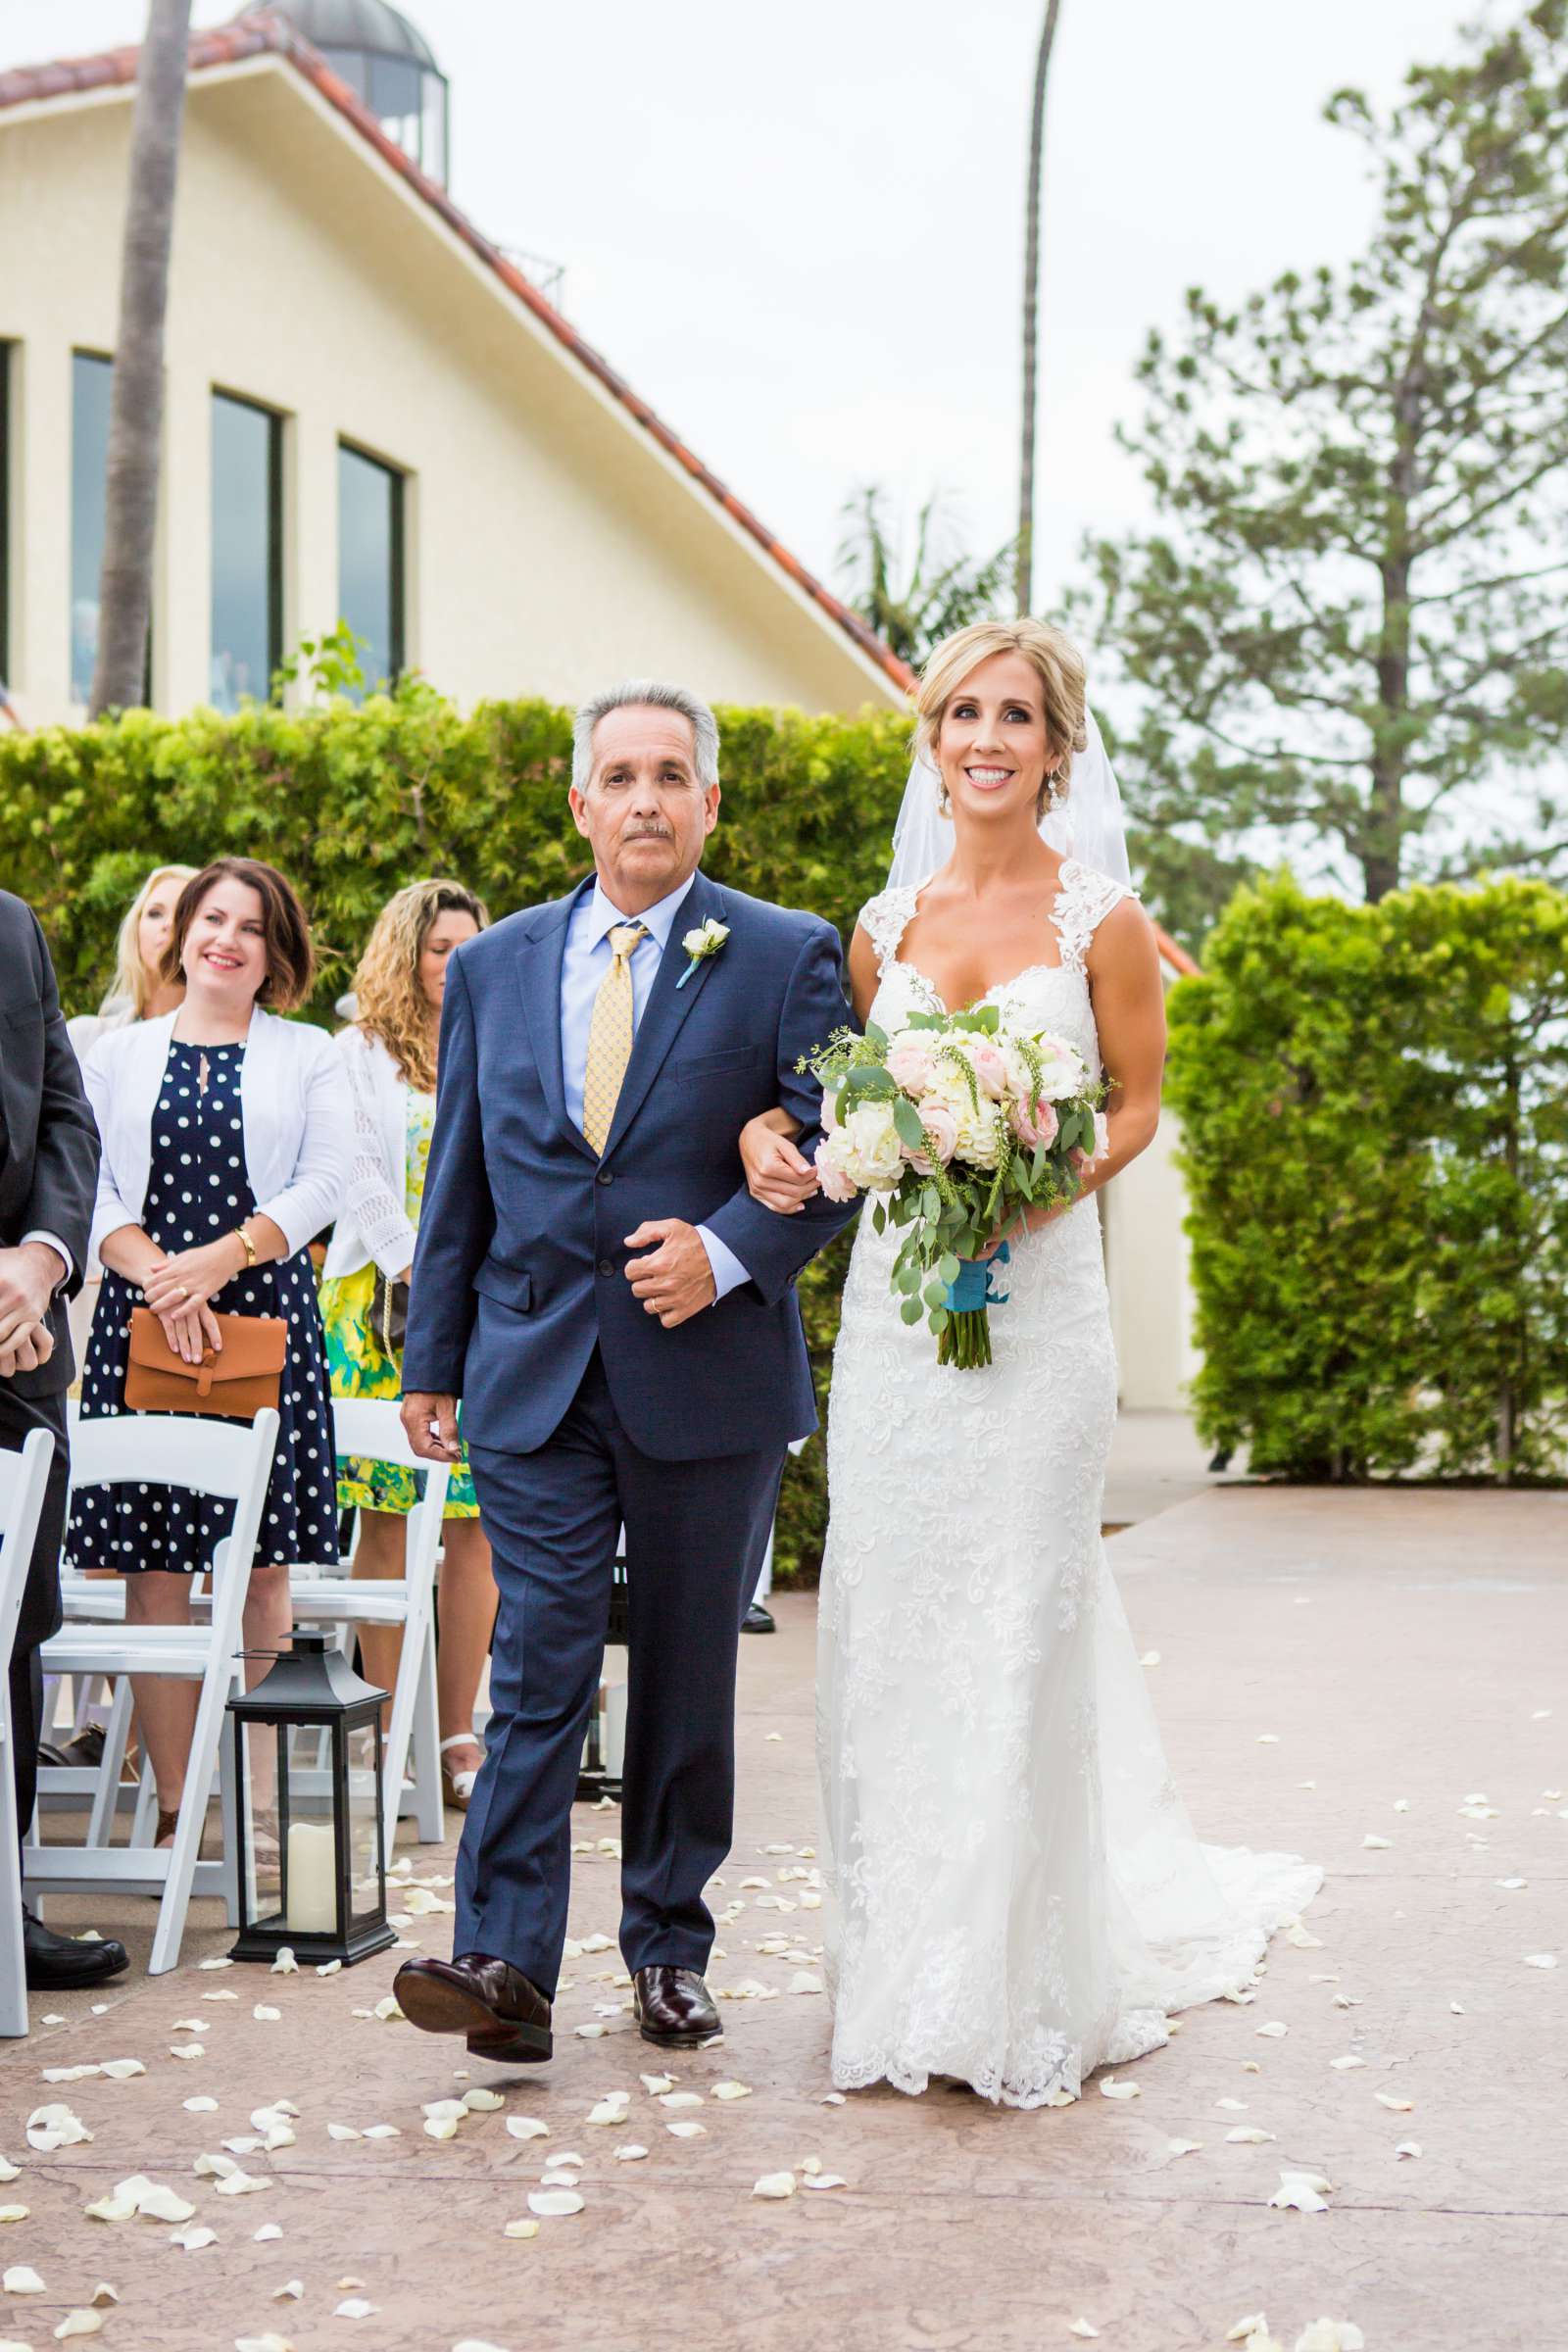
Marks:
<point>298,1122</point>
<point>372,1222</point>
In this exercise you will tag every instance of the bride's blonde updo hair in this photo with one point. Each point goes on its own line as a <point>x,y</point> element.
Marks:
<point>1055,661</point>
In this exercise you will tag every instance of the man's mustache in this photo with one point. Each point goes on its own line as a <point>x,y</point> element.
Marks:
<point>648,833</point>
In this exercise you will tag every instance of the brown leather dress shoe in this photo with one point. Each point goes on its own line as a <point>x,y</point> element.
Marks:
<point>505,2018</point>
<point>675,2008</point>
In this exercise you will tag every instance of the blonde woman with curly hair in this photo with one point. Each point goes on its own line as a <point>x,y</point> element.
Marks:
<point>391,1052</point>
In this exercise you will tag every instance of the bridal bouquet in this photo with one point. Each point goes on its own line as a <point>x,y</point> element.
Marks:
<point>958,1124</point>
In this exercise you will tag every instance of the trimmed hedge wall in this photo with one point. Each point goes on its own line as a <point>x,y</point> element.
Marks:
<point>353,802</point>
<point>1374,1104</point>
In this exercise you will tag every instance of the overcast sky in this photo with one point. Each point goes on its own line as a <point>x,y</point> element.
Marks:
<point>798,231</point>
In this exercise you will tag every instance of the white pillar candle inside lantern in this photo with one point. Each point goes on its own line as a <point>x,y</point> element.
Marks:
<point>311,1879</point>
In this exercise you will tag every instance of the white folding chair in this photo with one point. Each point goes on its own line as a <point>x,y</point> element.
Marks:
<point>24,1479</point>
<point>374,1432</point>
<point>209,1456</point>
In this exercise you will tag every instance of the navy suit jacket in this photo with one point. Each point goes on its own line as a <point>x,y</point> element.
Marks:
<point>520,1264</point>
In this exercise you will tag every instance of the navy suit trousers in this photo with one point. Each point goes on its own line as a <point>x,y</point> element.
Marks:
<point>696,1533</point>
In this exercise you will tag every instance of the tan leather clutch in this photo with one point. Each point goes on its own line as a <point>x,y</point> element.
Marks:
<point>236,1383</point>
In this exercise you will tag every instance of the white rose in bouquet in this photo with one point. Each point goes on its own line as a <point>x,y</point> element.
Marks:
<point>873,1155</point>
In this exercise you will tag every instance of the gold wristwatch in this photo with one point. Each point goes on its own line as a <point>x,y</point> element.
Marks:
<point>242,1235</point>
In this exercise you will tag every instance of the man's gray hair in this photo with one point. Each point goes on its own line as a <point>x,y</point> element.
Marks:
<point>628,695</point>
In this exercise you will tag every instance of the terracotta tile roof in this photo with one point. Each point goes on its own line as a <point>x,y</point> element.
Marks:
<point>255,35</point>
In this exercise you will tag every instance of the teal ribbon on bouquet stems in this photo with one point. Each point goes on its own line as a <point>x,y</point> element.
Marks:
<point>966,1337</point>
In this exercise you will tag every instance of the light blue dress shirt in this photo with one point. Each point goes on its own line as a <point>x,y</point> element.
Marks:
<point>584,963</point>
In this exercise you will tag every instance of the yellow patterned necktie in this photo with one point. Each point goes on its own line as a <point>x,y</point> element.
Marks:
<point>610,1036</point>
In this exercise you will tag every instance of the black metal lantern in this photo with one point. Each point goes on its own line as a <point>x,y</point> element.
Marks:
<point>599,1773</point>
<point>306,1778</point>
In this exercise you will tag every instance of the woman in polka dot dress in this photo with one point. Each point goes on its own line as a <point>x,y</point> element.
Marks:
<point>227,1138</point>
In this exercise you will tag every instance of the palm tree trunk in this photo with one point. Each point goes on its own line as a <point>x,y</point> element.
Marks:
<point>1025,559</point>
<point>136,412</point>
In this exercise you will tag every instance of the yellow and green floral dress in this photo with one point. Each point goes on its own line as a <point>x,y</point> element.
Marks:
<point>359,1368</point>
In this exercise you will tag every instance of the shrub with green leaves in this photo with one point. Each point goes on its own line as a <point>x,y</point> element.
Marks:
<point>354,800</point>
<point>1374,1104</point>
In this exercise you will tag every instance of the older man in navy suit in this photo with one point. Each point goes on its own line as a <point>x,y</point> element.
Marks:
<point>619,1318</point>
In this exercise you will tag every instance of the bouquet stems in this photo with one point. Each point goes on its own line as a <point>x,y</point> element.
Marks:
<point>965,1339</point>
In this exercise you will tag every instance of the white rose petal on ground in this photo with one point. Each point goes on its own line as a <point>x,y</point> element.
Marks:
<point>441,2127</point>
<point>805,1980</point>
<point>14,2213</point>
<point>202,2106</point>
<point>1246,2135</point>
<point>1375,1845</point>
<point>193,2240</point>
<point>831,2099</point>
<point>1183,2147</point>
<point>1274,2031</point>
<point>1084,2329</point>
<point>554,2202</point>
<point>482,2102</point>
<point>271,2342</point>
<point>22,2279</point>
<point>55,2127</point>
<point>78,2323</point>
<point>589,2033</point>
<point>473,2343</point>
<point>1342,2066</point>
<point>775,2186</point>
<point>613,2108</point>
<point>655,2085</point>
<point>686,2130</point>
<point>8,2170</point>
<point>380,2132</point>
<point>1409,2147</point>
<point>526,2227</point>
<point>267,2231</point>
<point>243,2184</point>
<point>732,2090</point>
<point>1330,2335</point>
<point>343,2132</point>
<point>1255,2323</point>
<point>1110,2089</point>
<point>527,2126</point>
<point>673,2100</point>
<point>824,2180</point>
<point>1302,2192</point>
<point>289,2293</point>
<point>266,2014</point>
<point>1540,1959</point>
<point>354,2307</point>
<point>1388,2098</point>
<point>187,2049</point>
<point>631,2153</point>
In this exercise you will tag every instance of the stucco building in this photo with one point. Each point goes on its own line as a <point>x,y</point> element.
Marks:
<point>370,411</point>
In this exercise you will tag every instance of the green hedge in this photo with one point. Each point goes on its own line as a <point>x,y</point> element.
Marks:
<point>353,802</point>
<point>1375,1115</point>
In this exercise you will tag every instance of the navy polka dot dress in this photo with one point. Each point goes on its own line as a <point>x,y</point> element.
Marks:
<point>197,1189</point>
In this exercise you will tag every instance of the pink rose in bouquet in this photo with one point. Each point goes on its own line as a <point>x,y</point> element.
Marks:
<point>910,1063</point>
<point>989,1064</point>
<point>1034,1123</point>
<point>941,1125</point>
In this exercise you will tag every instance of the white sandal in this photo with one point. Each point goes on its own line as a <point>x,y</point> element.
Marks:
<point>457,1787</point>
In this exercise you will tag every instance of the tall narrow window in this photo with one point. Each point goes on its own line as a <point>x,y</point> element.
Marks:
<point>5,515</point>
<point>247,551</point>
<point>369,561</point>
<point>91,381</point>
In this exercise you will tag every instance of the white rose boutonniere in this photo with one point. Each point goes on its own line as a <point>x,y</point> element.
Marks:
<point>705,941</point>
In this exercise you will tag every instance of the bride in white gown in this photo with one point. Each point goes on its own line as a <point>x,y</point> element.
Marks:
<point>1021,1897</point>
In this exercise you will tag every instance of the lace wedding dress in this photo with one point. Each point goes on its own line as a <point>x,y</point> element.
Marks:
<point>1019,1894</point>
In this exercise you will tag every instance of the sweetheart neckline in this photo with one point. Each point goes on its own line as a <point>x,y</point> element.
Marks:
<point>901,963</point>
